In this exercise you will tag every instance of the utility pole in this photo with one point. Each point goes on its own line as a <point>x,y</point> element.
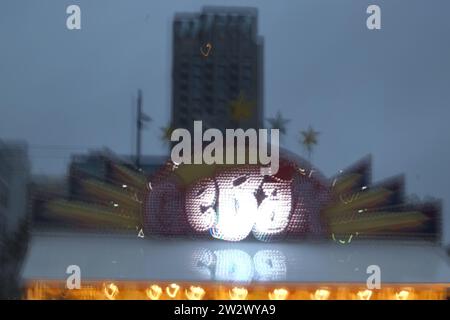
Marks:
<point>140,124</point>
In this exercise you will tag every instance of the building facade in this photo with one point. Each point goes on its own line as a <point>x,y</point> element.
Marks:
<point>217,69</point>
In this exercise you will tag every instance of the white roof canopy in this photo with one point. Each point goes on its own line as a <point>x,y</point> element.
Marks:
<point>132,258</point>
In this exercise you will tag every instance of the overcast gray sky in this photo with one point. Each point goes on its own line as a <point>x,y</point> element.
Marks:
<point>382,92</point>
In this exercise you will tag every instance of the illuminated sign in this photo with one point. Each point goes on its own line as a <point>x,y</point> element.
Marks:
<point>234,202</point>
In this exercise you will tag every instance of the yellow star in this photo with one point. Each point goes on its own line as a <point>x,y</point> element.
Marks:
<point>309,139</point>
<point>241,108</point>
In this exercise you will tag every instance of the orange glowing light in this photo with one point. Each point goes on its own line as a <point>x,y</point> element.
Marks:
<point>321,294</point>
<point>195,293</point>
<point>172,290</point>
<point>403,294</point>
<point>278,294</point>
<point>110,290</point>
<point>238,293</point>
<point>141,290</point>
<point>154,292</point>
<point>364,295</point>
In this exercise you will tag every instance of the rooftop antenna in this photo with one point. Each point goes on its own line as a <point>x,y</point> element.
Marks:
<point>141,119</point>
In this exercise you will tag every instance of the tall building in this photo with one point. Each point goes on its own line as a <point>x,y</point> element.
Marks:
<point>217,71</point>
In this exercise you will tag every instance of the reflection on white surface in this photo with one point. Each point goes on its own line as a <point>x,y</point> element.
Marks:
<point>233,265</point>
<point>269,265</point>
<point>239,266</point>
<point>134,258</point>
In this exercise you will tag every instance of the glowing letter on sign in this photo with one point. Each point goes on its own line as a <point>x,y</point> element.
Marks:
<point>237,204</point>
<point>273,212</point>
